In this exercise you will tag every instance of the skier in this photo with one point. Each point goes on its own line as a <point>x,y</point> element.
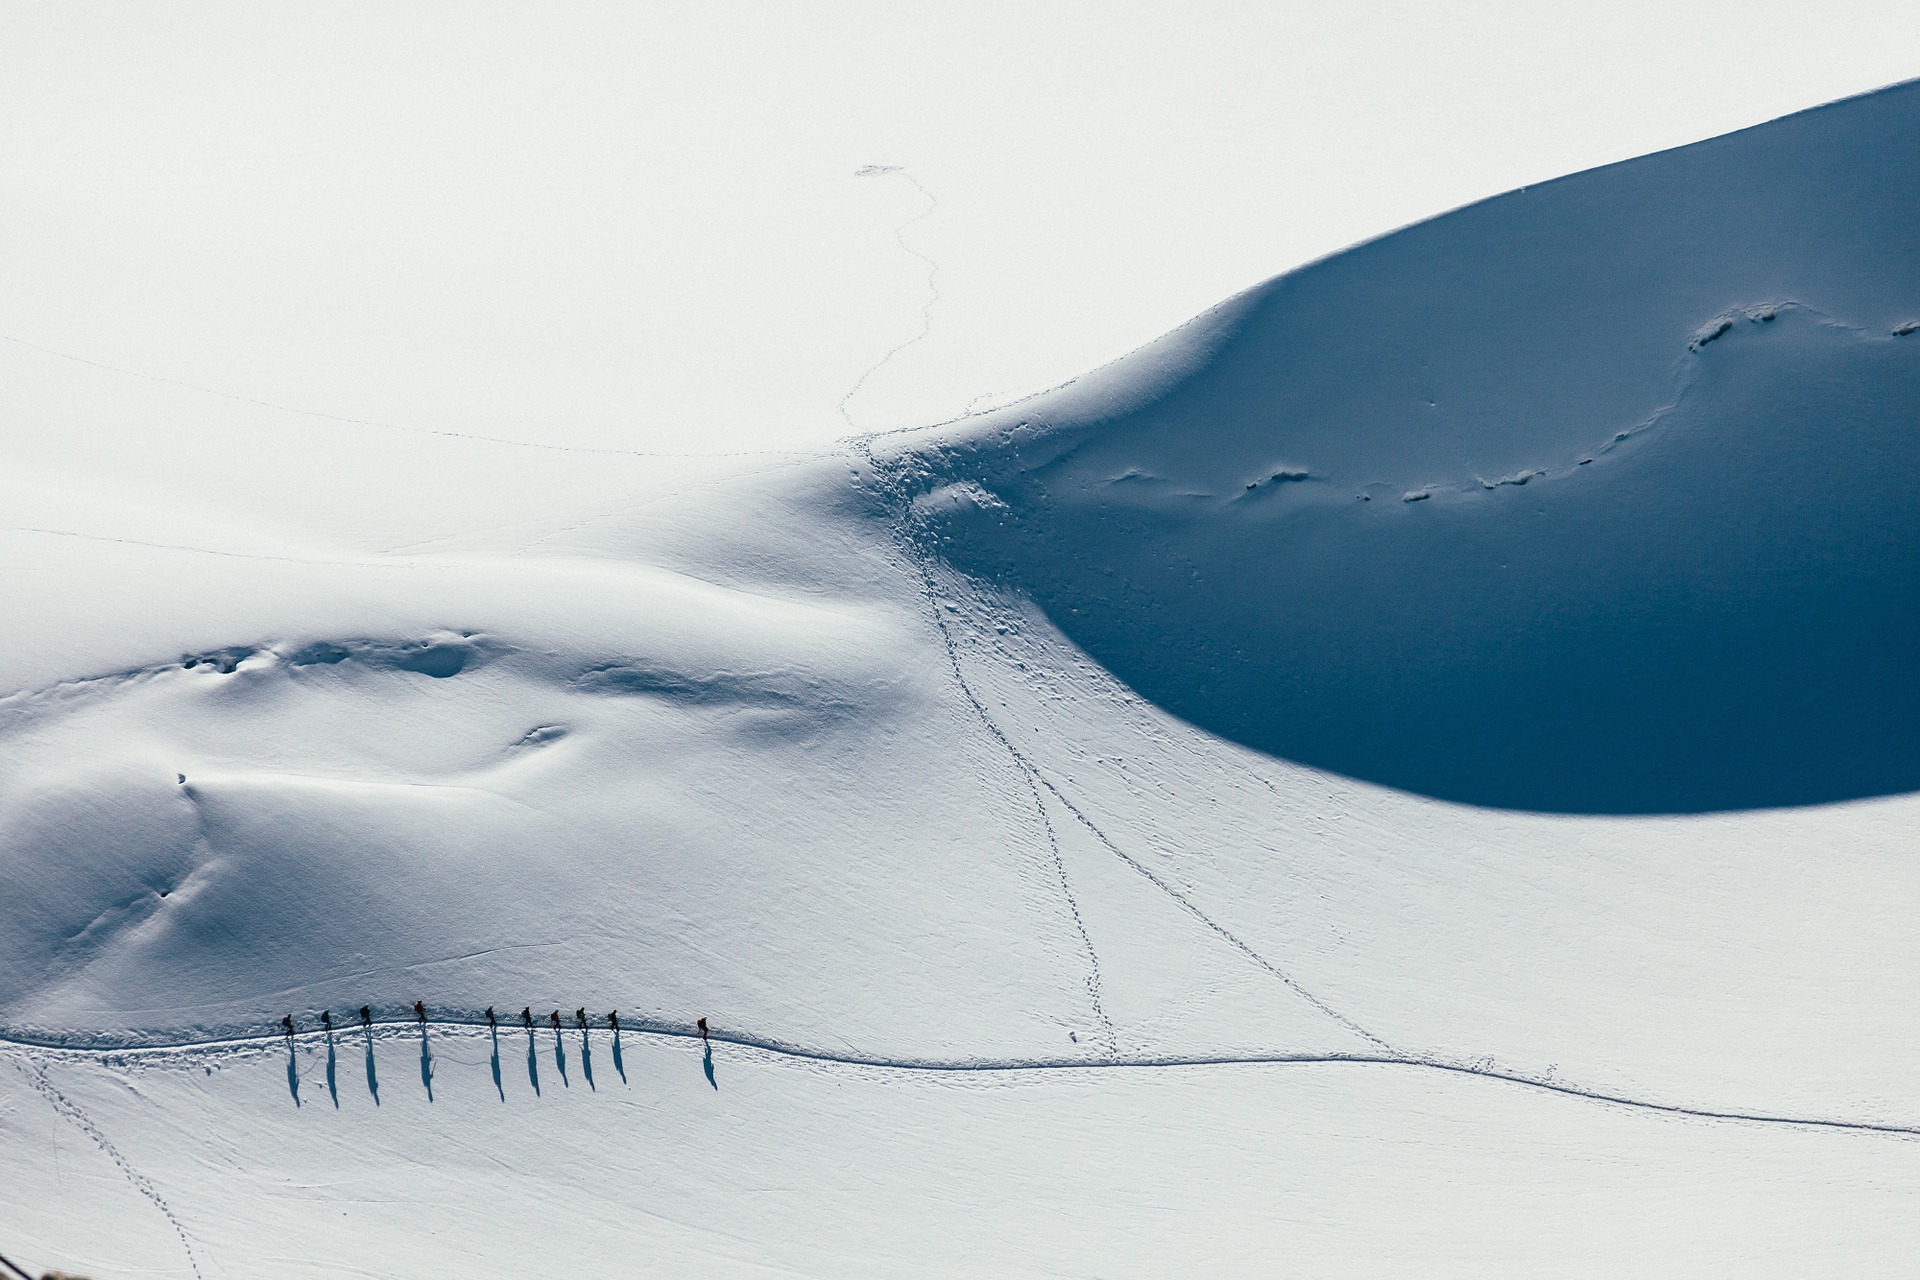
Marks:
<point>420,1012</point>
<point>491,1020</point>
<point>703,1028</point>
<point>287,1024</point>
<point>366,1016</point>
<point>526,1017</point>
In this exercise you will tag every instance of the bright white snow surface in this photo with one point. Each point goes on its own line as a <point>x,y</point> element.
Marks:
<point>1412,773</point>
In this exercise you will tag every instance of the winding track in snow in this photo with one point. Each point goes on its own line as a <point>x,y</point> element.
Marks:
<point>39,1050</point>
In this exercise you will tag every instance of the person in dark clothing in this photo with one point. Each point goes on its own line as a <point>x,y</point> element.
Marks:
<point>613,1019</point>
<point>366,1016</point>
<point>326,1019</point>
<point>491,1020</point>
<point>420,1011</point>
<point>526,1017</point>
<point>555,1015</point>
<point>580,1017</point>
<point>286,1023</point>
<point>703,1028</point>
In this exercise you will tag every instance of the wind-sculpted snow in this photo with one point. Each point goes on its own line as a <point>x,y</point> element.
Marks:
<point>318,820</point>
<point>1595,497</point>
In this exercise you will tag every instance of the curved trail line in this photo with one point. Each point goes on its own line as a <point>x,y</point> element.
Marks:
<point>398,1029</point>
<point>70,1111</point>
<point>933,287</point>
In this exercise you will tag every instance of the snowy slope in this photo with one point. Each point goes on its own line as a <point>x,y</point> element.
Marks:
<point>1594,497</point>
<point>1411,771</point>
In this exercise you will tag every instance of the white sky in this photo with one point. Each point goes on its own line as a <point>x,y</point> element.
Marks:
<point>639,226</point>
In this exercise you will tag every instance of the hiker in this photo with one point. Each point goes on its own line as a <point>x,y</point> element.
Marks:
<point>287,1022</point>
<point>420,1011</point>
<point>326,1020</point>
<point>613,1019</point>
<point>556,1019</point>
<point>366,1016</point>
<point>491,1020</point>
<point>526,1017</point>
<point>580,1017</point>
<point>703,1028</point>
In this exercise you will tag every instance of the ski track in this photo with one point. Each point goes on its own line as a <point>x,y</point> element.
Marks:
<point>396,1030</point>
<point>70,1111</point>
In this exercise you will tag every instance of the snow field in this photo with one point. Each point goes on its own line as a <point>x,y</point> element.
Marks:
<point>806,1168</point>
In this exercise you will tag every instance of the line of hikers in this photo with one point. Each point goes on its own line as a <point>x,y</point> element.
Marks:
<point>526,1019</point>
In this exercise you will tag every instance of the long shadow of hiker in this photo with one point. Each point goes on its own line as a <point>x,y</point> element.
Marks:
<point>706,1064</point>
<point>533,1063</point>
<point>560,1056</point>
<point>586,1060</point>
<point>293,1072</point>
<point>619,1063</point>
<point>373,1077</point>
<point>333,1084</point>
<point>498,1087</point>
<point>426,1062</point>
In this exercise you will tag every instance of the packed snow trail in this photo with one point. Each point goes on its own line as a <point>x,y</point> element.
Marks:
<point>393,1031</point>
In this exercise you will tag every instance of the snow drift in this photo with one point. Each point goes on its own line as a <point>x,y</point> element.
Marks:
<point>1594,497</point>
